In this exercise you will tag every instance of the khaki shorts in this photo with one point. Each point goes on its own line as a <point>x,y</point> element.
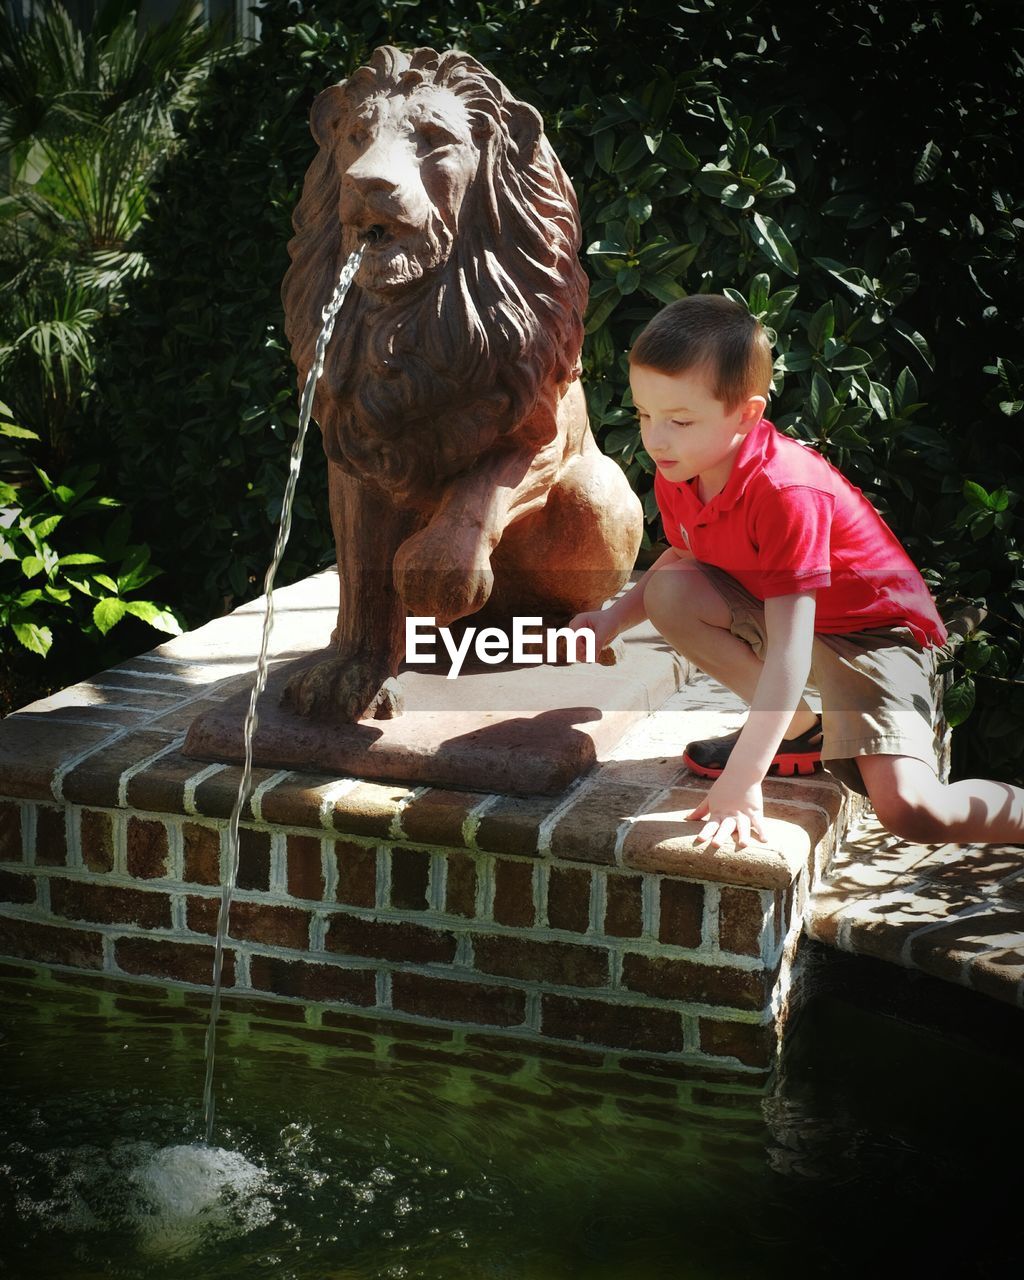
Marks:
<point>876,686</point>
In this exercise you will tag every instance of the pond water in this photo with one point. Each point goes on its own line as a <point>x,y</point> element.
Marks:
<point>351,1150</point>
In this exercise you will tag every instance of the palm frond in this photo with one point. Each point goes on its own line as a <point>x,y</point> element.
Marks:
<point>86,120</point>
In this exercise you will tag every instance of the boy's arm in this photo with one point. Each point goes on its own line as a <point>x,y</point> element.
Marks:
<point>627,610</point>
<point>733,806</point>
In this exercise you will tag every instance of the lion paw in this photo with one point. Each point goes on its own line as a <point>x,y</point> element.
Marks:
<point>439,576</point>
<point>612,654</point>
<point>345,690</point>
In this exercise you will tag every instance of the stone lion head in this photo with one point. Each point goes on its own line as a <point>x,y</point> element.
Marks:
<point>467,314</point>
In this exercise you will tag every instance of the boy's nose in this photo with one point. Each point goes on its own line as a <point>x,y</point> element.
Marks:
<point>653,435</point>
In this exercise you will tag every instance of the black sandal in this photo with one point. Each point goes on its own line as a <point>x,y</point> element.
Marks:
<point>800,755</point>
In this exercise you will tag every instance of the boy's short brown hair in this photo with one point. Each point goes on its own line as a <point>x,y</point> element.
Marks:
<point>713,333</point>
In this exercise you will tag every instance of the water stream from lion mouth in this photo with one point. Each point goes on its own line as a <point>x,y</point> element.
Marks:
<point>329,314</point>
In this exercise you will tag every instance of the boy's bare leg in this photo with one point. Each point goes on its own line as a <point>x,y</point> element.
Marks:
<point>695,620</point>
<point>910,801</point>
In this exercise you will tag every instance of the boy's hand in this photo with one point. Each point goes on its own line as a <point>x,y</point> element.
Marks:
<point>732,811</point>
<point>603,626</point>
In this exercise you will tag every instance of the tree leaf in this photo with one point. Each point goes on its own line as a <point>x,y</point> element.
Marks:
<point>881,400</point>
<point>927,163</point>
<point>108,613</point>
<point>35,638</point>
<point>906,389</point>
<point>774,244</point>
<point>793,361</point>
<point>43,528</point>
<point>978,497</point>
<point>958,701</point>
<point>848,358</point>
<point>674,152</point>
<point>822,396</point>
<point>17,433</point>
<point>599,314</point>
<point>780,187</point>
<point>822,325</point>
<point>664,288</point>
<point>758,297</point>
<point>80,557</point>
<point>915,339</point>
<point>604,150</point>
<point>632,151</point>
<point>162,619</point>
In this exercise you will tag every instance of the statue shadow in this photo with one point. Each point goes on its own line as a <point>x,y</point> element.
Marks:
<point>541,752</point>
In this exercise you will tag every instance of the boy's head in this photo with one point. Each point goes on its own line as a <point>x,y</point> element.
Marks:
<point>712,336</point>
<point>700,374</point>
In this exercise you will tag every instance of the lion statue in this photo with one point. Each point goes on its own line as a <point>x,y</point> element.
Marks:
<point>463,472</point>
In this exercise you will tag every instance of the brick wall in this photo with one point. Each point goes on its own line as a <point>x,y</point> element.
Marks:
<point>576,951</point>
<point>587,919</point>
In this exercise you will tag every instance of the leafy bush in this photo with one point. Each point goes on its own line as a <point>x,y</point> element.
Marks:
<point>766,151</point>
<point>81,595</point>
<point>85,120</point>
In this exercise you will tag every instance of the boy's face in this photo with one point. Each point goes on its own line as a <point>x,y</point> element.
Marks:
<point>686,431</point>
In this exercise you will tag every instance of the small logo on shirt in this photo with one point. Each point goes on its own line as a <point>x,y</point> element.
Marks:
<point>686,536</point>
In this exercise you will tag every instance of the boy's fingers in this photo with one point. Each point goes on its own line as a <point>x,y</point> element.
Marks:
<point>716,831</point>
<point>579,651</point>
<point>725,832</point>
<point>572,648</point>
<point>701,811</point>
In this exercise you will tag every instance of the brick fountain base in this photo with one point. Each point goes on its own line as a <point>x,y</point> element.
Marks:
<point>586,918</point>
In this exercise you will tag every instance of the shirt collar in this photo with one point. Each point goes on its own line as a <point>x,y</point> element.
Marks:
<point>746,465</point>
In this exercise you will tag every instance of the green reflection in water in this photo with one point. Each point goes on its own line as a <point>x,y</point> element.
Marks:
<point>354,1151</point>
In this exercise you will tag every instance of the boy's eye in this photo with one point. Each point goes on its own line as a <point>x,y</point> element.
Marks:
<point>677,423</point>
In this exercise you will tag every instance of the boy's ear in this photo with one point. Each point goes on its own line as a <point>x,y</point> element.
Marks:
<point>753,412</point>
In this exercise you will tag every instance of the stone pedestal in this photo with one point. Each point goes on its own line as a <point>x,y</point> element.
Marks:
<point>587,918</point>
<point>524,729</point>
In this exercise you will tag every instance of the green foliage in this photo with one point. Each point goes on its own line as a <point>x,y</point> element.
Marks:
<point>53,598</point>
<point>778,156</point>
<point>85,120</point>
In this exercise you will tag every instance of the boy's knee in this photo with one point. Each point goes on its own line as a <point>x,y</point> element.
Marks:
<point>911,817</point>
<point>676,595</point>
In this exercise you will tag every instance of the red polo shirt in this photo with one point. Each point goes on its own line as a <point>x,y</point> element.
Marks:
<point>788,521</point>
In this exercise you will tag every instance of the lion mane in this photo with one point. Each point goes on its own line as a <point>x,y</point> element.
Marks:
<point>417,386</point>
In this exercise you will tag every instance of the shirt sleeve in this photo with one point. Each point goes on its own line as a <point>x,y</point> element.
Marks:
<point>792,531</point>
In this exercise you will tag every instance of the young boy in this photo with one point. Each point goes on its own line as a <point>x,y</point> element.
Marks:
<point>779,569</point>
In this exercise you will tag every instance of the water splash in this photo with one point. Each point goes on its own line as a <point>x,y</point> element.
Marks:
<point>192,1193</point>
<point>329,314</point>
<point>167,1202</point>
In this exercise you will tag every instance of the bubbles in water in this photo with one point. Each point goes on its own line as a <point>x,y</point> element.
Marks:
<point>190,1192</point>
<point>188,1180</point>
<point>170,1201</point>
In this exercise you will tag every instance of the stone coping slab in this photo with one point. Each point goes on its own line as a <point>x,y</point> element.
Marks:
<point>953,911</point>
<point>116,741</point>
